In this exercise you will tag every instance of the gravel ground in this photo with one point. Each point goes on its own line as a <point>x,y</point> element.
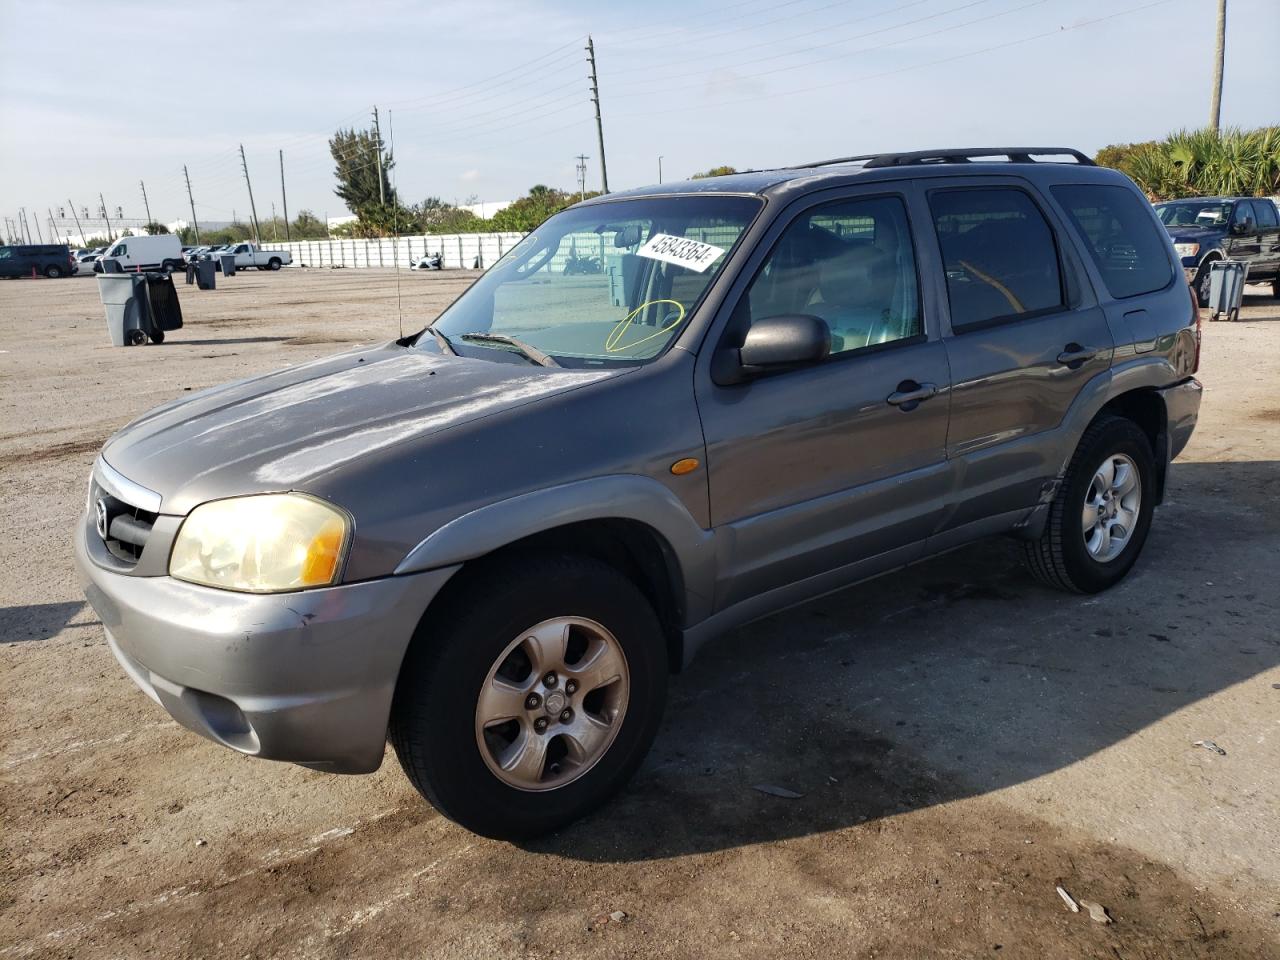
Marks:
<point>963,739</point>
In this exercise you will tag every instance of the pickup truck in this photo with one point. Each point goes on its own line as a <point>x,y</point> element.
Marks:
<point>250,255</point>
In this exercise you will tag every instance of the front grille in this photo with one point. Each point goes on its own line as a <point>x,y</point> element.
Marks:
<point>124,528</point>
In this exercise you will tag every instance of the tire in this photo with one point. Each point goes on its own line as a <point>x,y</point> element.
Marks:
<point>53,272</point>
<point>168,267</point>
<point>274,263</point>
<point>1060,557</point>
<point>1201,284</point>
<point>436,723</point>
<point>136,337</point>
<point>157,336</point>
<point>1275,288</point>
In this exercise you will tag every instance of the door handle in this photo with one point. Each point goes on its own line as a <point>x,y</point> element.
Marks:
<point>910,394</point>
<point>1075,356</point>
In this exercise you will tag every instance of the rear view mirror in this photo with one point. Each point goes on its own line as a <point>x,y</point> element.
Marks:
<point>782,342</point>
<point>627,237</point>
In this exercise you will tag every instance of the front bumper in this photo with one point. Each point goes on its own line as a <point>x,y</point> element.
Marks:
<point>306,677</point>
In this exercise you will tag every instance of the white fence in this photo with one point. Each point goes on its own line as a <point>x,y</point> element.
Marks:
<point>458,250</point>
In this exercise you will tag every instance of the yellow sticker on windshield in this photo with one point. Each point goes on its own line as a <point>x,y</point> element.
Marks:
<point>613,342</point>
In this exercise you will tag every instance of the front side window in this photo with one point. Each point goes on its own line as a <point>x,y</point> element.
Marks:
<point>850,263</point>
<point>121,250</point>
<point>999,254</point>
<point>1116,228</point>
<point>608,284</point>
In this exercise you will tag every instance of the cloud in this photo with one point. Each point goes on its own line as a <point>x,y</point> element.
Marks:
<point>470,176</point>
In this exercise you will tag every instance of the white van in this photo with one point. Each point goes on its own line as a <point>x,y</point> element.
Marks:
<point>161,252</point>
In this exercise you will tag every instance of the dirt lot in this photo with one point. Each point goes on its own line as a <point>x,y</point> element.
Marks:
<point>963,738</point>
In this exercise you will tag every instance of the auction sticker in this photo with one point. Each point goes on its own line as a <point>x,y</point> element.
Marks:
<point>681,251</point>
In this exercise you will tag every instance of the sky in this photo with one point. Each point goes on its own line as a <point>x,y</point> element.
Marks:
<point>485,98</point>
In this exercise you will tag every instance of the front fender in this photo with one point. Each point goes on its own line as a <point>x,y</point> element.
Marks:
<point>624,497</point>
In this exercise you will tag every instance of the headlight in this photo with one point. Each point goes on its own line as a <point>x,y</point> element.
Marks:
<point>261,544</point>
<point>1186,249</point>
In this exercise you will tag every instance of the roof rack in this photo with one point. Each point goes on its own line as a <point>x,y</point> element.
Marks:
<point>961,155</point>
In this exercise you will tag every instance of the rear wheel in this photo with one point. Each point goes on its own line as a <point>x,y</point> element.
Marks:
<point>53,271</point>
<point>274,263</point>
<point>136,337</point>
<point>157,336</point>
<point>1100,517</point>
<point>532,698</point>
<point>1275,288</point>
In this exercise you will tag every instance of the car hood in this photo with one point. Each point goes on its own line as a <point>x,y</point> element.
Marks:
<point>1191,234</point>
<point>283,430</point>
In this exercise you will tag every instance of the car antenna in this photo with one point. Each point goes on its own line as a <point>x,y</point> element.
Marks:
<point>395,222</point>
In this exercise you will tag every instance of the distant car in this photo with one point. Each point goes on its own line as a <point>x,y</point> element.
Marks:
<point>1221,228</point>
<point>50,260</point>
<point>162,252</point>
<point>251,255</point>
<point>432,261</point>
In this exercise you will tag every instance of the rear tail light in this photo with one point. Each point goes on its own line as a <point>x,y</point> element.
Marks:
<point>1195,310</point>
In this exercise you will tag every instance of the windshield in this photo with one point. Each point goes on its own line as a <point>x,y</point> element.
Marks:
<point>609,284</point>
<point>1202,213</point>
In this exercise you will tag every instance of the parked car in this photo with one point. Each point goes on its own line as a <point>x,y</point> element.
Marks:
<point>1217,228</point>
<point>160,252</point>
<point>251,255</point>
<point>491,541</point>
<point>51,260</point>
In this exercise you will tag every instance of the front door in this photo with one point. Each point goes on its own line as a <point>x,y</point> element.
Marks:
<point>839,465</point>
<point>1024,339</point>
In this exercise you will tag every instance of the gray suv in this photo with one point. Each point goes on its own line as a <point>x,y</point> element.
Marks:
<point>492,541</point>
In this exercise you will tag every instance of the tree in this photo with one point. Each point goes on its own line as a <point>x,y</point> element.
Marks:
<point>1121,156</point>
<point>529,211</point>
<point>714,172</point>
<point>355,152</point>
<point>1199,163</point>
<point>308,227</point>
<point>154,228</point>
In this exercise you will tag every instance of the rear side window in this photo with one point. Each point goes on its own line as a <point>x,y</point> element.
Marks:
<point>1117,229</point>
<point>1266,211</point>
<point>999,253</point>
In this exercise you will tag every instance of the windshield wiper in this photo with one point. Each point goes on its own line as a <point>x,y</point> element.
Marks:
<point>527,351</point>
<point>442,341</point>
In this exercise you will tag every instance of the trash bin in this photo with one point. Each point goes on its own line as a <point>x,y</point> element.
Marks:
<point>228,264</point>
<point>164,311</point>
<point>191,272</point>
<point>111,266</point>
<point>206,279</point>
<point>1226,287</point>
<point>124,298</point>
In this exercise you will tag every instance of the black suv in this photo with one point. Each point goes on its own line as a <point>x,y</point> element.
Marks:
<point>1224,228</point>
<point>51,260</point>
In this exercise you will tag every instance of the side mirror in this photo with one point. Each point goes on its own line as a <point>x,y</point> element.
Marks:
<point>778,343</point>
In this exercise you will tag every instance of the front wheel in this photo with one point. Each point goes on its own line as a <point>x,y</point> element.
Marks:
<point>1101,514</point>
<point>532,698</point>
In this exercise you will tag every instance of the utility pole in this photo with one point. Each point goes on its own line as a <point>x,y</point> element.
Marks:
<point>195,223</point>
<point>145,206</point>
<point>83,241</point>
<point>1219,59</point>
<point>22,223</point>
<point>103,205</point>
<point>275,227</point>
<point>377,135</point>
<point>284,199</point>
<point>582,174</point>
<point>53,226</point>
<point>39,235</point>
<point>659,168</point>
<point>252,209</point>
<point>595,98</point>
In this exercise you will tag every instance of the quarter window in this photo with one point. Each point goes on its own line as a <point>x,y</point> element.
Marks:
<point>1266,211</point>
<point>999,254</point>
<point>1118,232</point>
<point>850,263</point>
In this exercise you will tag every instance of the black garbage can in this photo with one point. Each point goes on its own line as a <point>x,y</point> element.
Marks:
<point>228,262</point>
<point>205,277</point>
<point>191,272</point>
<point>163,307</point>
<point>111,266</point>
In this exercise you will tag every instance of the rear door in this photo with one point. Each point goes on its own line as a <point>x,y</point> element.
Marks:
<point>1244,238</point>
<point>1269,237</point>
<point>1023,339</point>
<point>829,469</point>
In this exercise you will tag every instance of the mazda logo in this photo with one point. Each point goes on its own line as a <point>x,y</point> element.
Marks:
<point>101,511</point>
